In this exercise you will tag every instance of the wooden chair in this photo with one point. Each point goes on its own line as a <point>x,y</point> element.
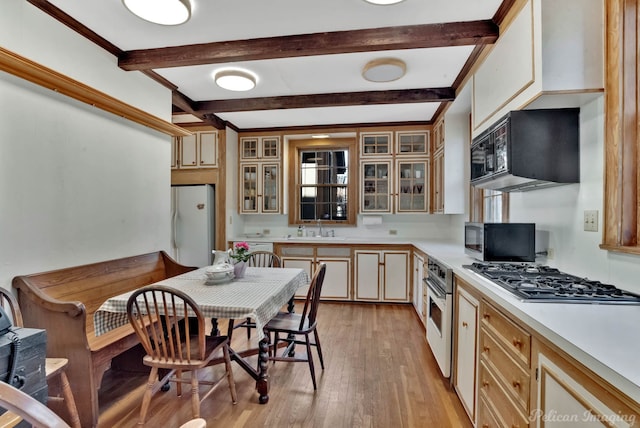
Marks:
<point>296,325</point>
<point>157,314</point>
<point>21,406</point>
<point>259,259</point>
<point>54,367</point>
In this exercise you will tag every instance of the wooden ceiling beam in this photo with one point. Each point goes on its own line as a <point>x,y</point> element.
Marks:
<point>328,43</point>
<point>404,96</point>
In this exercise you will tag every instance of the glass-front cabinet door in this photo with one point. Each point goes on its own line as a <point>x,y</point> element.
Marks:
<point>412,143</point>
<point>376,187</point>
<point>260,188</point>
<point>412,178</point>
<point>376,144</point>
<point>249,180</point>
<point>270,188</point>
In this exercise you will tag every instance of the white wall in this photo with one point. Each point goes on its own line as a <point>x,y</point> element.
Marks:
<point>559,212</point>
<point>77,184</point>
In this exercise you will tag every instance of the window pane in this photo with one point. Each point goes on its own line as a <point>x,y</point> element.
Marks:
<point>323,186</point>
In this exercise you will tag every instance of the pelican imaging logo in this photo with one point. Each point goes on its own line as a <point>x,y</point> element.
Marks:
<point>554,416</point>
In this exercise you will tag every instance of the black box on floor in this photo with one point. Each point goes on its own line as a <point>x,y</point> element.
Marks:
<point>29,353</point>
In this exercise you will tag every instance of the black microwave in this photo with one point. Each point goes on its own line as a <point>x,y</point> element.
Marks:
<point>500,242</point>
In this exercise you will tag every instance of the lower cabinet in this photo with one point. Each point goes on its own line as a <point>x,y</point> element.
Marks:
<point>568,395</point>
<point>337,280</point>
<point>505,358</point>
<point>382,275</point>
<point>465,341</point>
<point>518,379</point>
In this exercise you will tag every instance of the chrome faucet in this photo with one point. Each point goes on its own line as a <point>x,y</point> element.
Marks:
<point>320,228</point>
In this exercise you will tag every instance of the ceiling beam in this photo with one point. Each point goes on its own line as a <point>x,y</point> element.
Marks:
<point>328,43</point>
<point>404,96</point>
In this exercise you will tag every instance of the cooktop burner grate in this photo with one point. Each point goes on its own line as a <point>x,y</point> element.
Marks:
<point>540,283</point>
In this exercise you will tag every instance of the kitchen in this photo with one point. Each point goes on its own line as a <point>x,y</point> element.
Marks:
<point>82,207</point>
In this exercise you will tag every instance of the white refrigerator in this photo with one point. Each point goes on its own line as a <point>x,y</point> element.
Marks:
<point>193,224</point>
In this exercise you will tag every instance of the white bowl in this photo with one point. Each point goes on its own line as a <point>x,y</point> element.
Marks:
<point>219,273</point>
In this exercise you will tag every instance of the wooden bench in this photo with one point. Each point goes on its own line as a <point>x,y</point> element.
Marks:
<point>63,302</point>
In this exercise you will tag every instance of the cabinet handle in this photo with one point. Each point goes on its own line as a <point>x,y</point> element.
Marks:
<point>517,343</point>
<point>465,324</point>
<point>515,383</point>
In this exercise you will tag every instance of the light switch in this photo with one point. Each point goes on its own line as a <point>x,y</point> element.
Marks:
<point>591,220</point>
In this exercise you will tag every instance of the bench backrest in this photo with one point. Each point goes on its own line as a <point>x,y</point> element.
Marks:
<point>94,283</point>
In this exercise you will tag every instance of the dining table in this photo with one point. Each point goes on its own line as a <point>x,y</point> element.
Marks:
<point>259,295</point>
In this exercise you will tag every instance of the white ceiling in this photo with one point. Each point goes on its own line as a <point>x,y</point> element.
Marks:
<point>224,20</point>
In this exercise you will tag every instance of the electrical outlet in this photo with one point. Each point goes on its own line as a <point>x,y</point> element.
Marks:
<point>550,253</point>
<point>591,220</point>
<point>266,231</point>
<point>393,232</point>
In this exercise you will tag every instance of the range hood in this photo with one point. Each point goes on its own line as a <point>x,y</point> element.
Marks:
<point>528,150</point>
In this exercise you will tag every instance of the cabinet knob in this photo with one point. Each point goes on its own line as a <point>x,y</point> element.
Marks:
<point>486,316</point>
<point>485,383</point>
<point>193,163</point>
<point>517,342</point>
<point>515,383</point>
<point>486,349</point>
<point>465,324</point>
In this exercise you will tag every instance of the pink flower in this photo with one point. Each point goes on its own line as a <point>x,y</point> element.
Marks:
<point>242,245</point>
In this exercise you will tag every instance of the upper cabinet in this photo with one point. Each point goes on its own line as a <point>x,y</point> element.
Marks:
<point>198,150</point>
<point>550,55</point>
<point>260,175</point>
<point>260,148</point>
<point>394,172</point>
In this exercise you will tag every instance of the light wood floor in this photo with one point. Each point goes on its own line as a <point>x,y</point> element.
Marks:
<point>379,372</point>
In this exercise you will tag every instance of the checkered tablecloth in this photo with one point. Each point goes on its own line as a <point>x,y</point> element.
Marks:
<point>259,295</point>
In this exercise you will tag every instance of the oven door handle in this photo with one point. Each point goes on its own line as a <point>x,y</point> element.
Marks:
<point>436,289</point>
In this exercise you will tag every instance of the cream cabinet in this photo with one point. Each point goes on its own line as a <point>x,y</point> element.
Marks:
<point>266,148</point>
<point>418,284</point>
<point>260,176</point>
<point>381,275</point>
<point>465,361</point>
<point>198,150</point>
<point>567,395</point>
<point>394,172</point>
<point>337,280</point>
<point>437,188</point>
<point>260,188</point>
<point>546,73</point>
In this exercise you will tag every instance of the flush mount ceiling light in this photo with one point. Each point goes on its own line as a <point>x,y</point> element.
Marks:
<point>163,12</point>
<point>320,136</point>
<point>384,70</point>
<point>383,2</point>
<point>235,80</point>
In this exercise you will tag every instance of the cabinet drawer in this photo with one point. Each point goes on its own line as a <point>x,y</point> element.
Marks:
<point>486,418</point>
<point>498,400</point>
<point>513,377</point>
<point>296,251</point>
<point>333,251</point>
<point>513,338</point>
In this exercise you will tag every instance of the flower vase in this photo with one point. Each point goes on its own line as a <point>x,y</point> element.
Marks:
<point>239,269</point>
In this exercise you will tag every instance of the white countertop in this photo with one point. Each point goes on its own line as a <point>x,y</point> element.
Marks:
<point>603,337</point>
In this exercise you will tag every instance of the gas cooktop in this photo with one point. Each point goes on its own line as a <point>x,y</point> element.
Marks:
<point>537,283</point>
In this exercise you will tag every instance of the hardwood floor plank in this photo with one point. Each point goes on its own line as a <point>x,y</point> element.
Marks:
<point>379,373</point>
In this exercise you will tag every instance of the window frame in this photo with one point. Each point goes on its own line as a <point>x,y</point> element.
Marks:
<point>621,223</point>
<point>298,146</point>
